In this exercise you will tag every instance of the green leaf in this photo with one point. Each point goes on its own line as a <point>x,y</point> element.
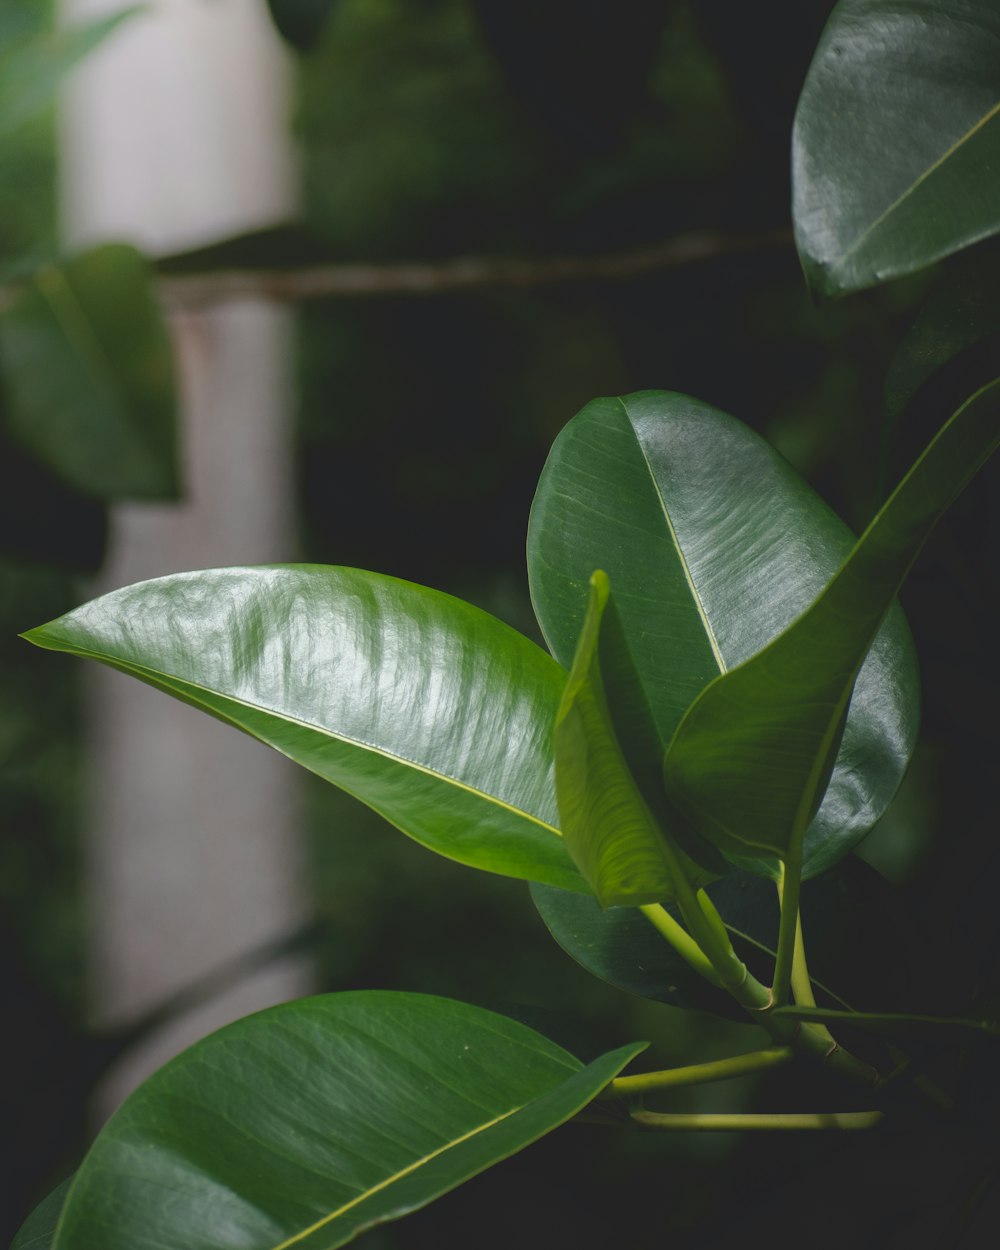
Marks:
<point>88,375</point>
<point>608,827</point>
<point>39,1229</point>
<point>751,759</point>
<point>712,545</point>
<point>306,1124</point>
<point>429,710</point>
<point>859,943</point>
<point>31,72</point>
<point>897,139</point>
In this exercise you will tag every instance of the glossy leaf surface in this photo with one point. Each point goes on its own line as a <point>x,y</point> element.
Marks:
<point>751,759</point>
<point>609,830</point>
<point>39,1229</point>
<point>88,376</point>
<point>712,545</point>
<point>858,941</point>
<point>308,1123</point>
<point>897,139</point>
<point>429,710</point>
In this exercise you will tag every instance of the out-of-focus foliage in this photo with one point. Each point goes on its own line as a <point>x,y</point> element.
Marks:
<point>86,365</point>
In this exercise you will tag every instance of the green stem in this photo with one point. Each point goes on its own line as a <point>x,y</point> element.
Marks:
<point>802,990</point>
<point>682,942</point>
<point>788,891</point>
<point>710,937</point>
<point>698,1073</point>
<point>734,1123</point>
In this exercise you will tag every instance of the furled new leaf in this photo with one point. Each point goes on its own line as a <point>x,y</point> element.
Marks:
<point>751,759</point>
<point>897,139</point>
<point>306,1124</point>
<point>429,710</point>
<point>88,376</point>
<point>609,829</point>
<point>712,545</point>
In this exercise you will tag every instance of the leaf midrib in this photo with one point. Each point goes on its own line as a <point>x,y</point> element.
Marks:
<point>682,558</point>
<point>851,252</point>
<point>391,1180</point>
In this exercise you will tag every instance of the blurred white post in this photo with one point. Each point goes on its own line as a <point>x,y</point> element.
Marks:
<point>173,134</point>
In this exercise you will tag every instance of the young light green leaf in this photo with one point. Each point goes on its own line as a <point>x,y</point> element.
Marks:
<point>713,545</point>
<point>751,759</point>
<point>304,1125</point>
<point>608,827</point>
<point>429,710</point>
<point>88,376</point>
<point>896,140</point>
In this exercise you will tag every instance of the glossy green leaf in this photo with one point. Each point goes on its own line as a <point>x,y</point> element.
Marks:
<point>712,545</point>
<point>859,942</point>
<point>306,1124</point>
<point>429,710</point>
<point>88,375</point>
<point>31,72</point>
<point>39,1229</point>
<point>897,139</point>
<point>750,760</point>
<point>609,830</point>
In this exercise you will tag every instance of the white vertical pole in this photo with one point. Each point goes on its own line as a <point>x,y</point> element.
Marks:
<point>175,133</point>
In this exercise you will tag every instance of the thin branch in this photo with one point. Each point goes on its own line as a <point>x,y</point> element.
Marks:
<point>182,293</point>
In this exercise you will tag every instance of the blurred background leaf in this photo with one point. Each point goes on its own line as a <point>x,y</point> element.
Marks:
<point>87,371</point>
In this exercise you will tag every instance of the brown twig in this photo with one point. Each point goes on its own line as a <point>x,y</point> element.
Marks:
<point>182,293</point>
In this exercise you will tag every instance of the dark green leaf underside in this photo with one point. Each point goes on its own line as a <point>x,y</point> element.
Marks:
<point>859,942</point>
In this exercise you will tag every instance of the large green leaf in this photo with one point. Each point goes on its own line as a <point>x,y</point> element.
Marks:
<point>897,139</point>
<point>39,1229</point>
<point>859,942</point>
<point>308,1123</point>
<point>712,545</point>
<point>429,710</point>
<point>751,758</point>
<point>88,375</point>
<point>610,830</point>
